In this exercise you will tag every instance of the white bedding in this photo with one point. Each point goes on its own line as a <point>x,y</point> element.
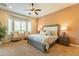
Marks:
<point>44,39</point>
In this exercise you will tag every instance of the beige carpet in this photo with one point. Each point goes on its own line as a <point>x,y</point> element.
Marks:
<point>22,48</point>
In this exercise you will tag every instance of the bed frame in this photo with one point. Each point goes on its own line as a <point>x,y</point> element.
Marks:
<point>39,45</point>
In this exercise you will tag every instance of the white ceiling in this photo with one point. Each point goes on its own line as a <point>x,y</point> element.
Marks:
<point>47,8</point>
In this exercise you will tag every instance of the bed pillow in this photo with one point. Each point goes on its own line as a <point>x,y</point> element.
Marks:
<point>44,33</point>
<point>48,32</point>
<point>51,33</point>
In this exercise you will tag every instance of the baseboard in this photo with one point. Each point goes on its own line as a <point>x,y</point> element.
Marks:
<point>74,45</point>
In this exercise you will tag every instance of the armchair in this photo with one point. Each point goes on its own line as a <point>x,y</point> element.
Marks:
<point>15,36</point>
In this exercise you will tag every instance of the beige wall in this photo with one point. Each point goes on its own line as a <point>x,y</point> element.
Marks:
<point>68,17</point>
<point>34,26</point>
<point>3,17</point>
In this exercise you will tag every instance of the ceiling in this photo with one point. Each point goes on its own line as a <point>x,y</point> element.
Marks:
<point>47,8</point>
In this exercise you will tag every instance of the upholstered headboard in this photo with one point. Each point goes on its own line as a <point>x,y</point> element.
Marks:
<point>55,27</point>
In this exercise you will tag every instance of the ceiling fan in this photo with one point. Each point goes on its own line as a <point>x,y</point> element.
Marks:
<point>33,10</point>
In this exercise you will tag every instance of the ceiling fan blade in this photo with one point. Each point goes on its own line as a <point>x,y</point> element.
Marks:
<point>32,4</point>
<point>38,10</point>
<point>36,13</point>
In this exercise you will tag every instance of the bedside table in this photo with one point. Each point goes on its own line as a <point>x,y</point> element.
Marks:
<point>64,40</point>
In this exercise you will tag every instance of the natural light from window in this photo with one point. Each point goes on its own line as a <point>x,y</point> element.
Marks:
<point>18,25</point>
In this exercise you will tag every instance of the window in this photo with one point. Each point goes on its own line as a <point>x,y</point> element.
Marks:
<point>23,26</point>
<point>18,25</point>
<point>10,21</point>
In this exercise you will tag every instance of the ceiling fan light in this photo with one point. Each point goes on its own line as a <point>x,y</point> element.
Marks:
<point>33,12</point>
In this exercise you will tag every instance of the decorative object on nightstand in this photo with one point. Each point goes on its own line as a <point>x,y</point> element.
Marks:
<point>64,38</point>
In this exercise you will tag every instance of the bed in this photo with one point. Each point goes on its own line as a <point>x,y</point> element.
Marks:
<point>43,41</point>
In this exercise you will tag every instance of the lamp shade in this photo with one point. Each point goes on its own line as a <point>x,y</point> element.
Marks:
<point>63,28</point>
<point>40,27</point>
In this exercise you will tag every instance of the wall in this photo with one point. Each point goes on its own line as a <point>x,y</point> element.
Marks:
<point>67,17</point>
<point>34,25</point>
<point>3,17</point>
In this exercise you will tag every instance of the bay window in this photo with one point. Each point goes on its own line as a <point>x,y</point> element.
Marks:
<point>23,26</point>
<point>18,25</point>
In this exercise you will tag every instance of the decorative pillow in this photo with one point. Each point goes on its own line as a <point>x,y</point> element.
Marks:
<point>48,32</point>
<point>54,33</point>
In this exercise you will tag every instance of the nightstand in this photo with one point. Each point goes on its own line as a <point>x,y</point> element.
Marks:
<point>64,40</point>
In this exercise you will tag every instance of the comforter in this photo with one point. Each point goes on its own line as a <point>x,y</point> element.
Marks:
<point>44,39</point>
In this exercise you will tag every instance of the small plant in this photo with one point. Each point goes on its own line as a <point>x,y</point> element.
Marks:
<point>2,31</point>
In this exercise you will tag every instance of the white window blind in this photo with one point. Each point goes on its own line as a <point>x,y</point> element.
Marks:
<point>10,24</point>
<point>18,25</point>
